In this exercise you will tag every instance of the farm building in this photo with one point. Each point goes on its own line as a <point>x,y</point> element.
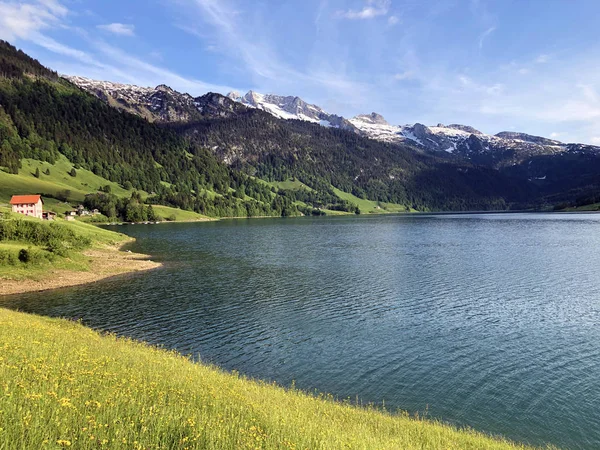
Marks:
<point>30,205</point>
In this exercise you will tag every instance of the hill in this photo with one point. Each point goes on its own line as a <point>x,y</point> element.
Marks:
<point>45,118</point>
<point>68,386</point>
<point>38,255</point>
<point>208,154</point>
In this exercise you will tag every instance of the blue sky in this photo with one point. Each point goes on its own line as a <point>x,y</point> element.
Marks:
<point>522,65</point>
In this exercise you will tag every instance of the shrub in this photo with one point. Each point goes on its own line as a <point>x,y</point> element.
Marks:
<point>30,256</point>
<point>56,237</point>
<point>8,258</point>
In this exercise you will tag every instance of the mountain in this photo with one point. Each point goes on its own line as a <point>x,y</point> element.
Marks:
<point>46,118</point>
<point>220,156</point>
<point>290,107</point>
<point>165,105</point>
<point>545,169</point>
<point>160,104</point>
<point>503,150</point>
<point>276,138</point>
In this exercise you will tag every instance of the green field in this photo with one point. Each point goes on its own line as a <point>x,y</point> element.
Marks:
<point>288,185</point>
<point>585,208</point>
<point>83,183</point>
<point>180,215</point>
<point>51,255</point>
<point>63,385</point>
<point>370,206</point>
<point>57,182</point>
<point>365,206</point>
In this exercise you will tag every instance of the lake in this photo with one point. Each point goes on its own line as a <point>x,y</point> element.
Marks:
<point>490,321</point>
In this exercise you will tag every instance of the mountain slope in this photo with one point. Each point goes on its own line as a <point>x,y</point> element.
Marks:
<point>258,135</point>
<point>275,149</point>
<point>204,153</point>
<point>289,107</point>
<point>43,117</point>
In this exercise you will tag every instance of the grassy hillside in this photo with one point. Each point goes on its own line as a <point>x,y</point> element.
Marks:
<point>58,183</point>
<point>369,206</point>
<point>177,214</point>
<point>49,246</point>
<point>64,385</point>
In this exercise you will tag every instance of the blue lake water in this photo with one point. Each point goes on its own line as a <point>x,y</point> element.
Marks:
<point>489,321</point>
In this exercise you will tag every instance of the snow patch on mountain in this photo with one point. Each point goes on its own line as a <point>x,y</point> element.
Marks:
<point>289,108</point>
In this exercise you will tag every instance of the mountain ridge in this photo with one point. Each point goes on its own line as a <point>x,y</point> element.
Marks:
<point>165,105</point>
<point>180,148</point>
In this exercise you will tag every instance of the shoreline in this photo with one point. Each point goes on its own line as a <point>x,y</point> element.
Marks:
<point>104,262</point>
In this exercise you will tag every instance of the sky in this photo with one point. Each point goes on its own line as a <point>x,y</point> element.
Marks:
<point>498,65</point>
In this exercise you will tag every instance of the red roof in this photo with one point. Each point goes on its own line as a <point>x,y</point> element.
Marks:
<point>25,199</point>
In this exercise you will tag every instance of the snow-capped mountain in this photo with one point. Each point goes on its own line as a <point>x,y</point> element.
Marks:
<point>165,105</point>
<point>503,149</point>
<point>159,104</point>
<point>289,107</point>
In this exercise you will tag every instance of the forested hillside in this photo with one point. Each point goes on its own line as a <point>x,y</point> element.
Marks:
<point>275,149</point>
<point>42,116</point>
<point>214,164</point>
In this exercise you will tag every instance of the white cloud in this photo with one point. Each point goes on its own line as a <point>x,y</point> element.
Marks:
<point>484,35</point>
<point>595,140</point>
<point>541,59</point>
<point>252,47</point>
<point>555,135</point>
<point>393,20</point>
<point>30,21</point>
<point>372,9</point>
<point>150,75</point>
<point>120,29</point>
<point>20,20</point>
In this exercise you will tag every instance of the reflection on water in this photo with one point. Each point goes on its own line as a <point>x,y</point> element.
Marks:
<point>489,321</point>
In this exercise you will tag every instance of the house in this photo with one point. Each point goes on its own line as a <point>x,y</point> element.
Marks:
<point>69,218</point>
<point>48,215</point>
<point>30,205</point>
<point>81,211</point>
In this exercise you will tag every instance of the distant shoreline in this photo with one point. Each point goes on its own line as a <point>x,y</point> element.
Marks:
<point>104,263</point>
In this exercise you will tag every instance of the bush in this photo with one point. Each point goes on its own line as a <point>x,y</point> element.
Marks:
<point>57,238</point>
<point>30,256</point>
<point>8,258</point>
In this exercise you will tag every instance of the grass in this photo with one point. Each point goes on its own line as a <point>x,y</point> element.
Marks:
<point>180,215</point>
<point>73,260</point>
<point>590,207</point>
<point>63,385</point>
<point>288,185</point>
<point>370,206</point>
<point>365,206</point>
<point>57,182</point>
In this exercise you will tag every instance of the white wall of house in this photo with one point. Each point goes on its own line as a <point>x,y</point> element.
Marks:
<point>29,209</point>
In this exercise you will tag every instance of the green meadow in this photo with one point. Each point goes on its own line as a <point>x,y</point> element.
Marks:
<point>56,183</point>
<point>370,206</point>
<point>179,215</point>
<point>63,385</point>
<point>49,246</point>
